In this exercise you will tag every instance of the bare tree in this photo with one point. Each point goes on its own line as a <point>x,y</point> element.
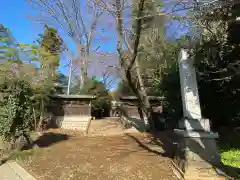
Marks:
<point>128,57</point>
<point>79,19</point>
<point>129,39</point>
<point>105,65</point>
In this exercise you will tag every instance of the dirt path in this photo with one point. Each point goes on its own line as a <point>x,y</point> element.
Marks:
<point>105,127</point>
<point>81,157</point>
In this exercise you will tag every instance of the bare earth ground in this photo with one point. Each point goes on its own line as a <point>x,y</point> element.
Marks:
<point>73,156</point>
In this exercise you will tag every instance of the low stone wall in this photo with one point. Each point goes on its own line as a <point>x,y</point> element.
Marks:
<point>130,105</point>
<point>8,146</point>
<point>131,115</point>
<point>73,122</point>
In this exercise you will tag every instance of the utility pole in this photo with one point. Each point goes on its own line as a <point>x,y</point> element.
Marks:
<point>70,74</point>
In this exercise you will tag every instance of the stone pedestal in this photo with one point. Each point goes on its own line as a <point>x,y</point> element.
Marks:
<point>196,153</point>
<point>194,125</point>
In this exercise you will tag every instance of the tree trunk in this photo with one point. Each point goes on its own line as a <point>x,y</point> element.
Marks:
<point>35,120</point>
<point>143,102</point>
<point>83,55</point>
<point>146,108</point>
<point>140,93</point>
<point>41,115</point>
<point>83,76</point>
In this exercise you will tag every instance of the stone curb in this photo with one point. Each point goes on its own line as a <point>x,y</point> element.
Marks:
<point>19,171</point>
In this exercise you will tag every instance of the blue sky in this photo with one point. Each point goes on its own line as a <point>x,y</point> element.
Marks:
<point>13,16</point>
<point>16,15</point>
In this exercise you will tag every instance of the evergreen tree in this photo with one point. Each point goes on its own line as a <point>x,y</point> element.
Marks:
<point>51,47</point>
<point>51,41</point>
<point>8,45</point>
<point>153,44</point>
<point>123,89</point>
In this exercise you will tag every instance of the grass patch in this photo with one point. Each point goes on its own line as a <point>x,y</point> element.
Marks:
<point>23,155</point>
<point>229,146</point>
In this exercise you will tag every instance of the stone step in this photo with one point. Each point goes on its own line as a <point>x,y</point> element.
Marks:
<point>75,125</point>
<point>199,171</point>
<point>74,122</point>
<point>13,171</point>
<point>205,174</point>
<point>200,176</point>
<point>73,118</point>
<point>204,178</point>
<point>20,171</point>
<point>7,173</point>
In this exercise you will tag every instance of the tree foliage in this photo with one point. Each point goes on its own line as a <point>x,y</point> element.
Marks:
<point>27,84</point>
<point>217,61</point>
<point>62,83</point>
<point>16,112</point>
<point>123,89</point>
<point>48,54</point>
<point>215,51</point>
<point>8,45</point>
<point>51,41</point>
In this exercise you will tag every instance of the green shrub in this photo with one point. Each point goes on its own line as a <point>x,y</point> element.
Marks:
<point>231,157</point>
<point>16,111</point>
<point>169,87</point>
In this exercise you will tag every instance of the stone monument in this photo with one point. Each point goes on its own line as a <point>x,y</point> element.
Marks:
<point>196,152</point>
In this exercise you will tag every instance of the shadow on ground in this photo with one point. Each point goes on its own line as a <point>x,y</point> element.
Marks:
<point>202,149</point>
<point>48,139</point>
<point>45,140</point>
<point>137,123</point>
<point>142,145</point>
<point>163,139</point>
<point>167,141</point>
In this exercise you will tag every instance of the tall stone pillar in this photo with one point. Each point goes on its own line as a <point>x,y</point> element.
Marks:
<point>196,152</point>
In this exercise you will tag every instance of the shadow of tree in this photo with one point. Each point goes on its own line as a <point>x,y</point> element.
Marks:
<point>137,123</point>
<point>47,139</point>
<point>143,145</point>
<point>202,147</point>
<point>167,140</point>
<point>163,139</point>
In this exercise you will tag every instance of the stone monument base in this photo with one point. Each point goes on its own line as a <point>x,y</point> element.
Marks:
<point>194,124</point>
<point>196,155</point>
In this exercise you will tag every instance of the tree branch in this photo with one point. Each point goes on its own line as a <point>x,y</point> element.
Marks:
<point>138,33</point>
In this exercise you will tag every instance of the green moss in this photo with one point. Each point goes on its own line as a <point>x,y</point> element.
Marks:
<point>231,157</point>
